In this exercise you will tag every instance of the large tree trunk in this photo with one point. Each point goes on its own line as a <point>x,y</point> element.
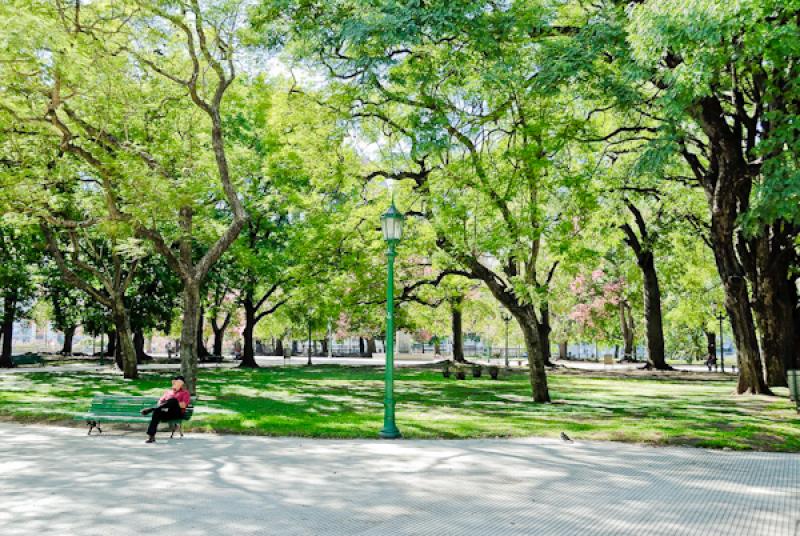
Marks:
<point>191,312</point>
<point>138,346</point>
<point>774,315</point>
<point>533,344</point>
<point>125,348</point>
<point>795,364</point>
<point>737,303</point>
<point>69,336</point>
<point>544,332</point>
<point>728,186</point>
<point>654,324</point>
<point>219,332</point>
<point>9,311</point>
<point>111,346</point>
<point>457,328</point>
<point>361,350</point>
<point>711,344</point>
<point>248,353</point>
<point>562,350</point>
<point>775,300</point>
<point>279,346</point>
<point>371,348</point>
<point>219,338</point>
<point>626,325</point>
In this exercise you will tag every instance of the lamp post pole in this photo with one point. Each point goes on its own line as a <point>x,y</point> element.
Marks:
<point>392,227</point>
<point>506,316</point>
<point>389,430</point>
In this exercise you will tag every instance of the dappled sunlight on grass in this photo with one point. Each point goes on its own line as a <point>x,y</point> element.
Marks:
<point>347,402</point>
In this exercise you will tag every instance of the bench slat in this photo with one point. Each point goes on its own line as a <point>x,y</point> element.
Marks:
<point>110,408</point>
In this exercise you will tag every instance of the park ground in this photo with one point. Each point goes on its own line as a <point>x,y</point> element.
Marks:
<point>328,401</point>
<point>56,481</point>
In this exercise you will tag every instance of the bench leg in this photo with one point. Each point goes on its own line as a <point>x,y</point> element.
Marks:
<point>172,429</point>
<point>92,426</point>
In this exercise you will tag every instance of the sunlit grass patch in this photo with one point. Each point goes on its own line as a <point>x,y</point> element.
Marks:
<point>347,402</point>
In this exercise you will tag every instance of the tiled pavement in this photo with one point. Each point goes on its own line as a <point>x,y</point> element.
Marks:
<point>58,481</point>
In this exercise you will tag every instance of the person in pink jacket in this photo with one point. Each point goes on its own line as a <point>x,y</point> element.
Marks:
<point>171,406</point>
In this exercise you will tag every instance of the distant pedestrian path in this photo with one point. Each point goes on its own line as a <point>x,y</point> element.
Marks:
<point>377,360</point>
<point>58,481</point>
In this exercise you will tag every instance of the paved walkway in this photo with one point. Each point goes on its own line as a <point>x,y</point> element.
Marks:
<point>58,481</point>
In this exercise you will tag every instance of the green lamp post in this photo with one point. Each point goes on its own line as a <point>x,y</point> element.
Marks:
<point>392,227</point>
<point>721,318</point>
<point>506,316</point>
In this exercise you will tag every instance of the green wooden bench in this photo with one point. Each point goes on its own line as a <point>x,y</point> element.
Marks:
<point>113,408</point>
<point>27,360</point>
<point>212,359</point>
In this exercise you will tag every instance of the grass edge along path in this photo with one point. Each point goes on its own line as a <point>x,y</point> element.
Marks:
<point>331,401</point>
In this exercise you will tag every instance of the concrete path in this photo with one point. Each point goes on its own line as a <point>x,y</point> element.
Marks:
<point>58,481</point>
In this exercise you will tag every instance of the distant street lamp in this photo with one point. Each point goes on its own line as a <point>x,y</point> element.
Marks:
<point>506,316</point>
<point>392,227</point>
<point>721,317</point>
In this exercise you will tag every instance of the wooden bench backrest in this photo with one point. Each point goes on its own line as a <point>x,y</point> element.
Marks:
<point>126,405</point>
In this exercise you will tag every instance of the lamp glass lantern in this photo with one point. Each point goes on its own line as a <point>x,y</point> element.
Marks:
<point>392,224</point>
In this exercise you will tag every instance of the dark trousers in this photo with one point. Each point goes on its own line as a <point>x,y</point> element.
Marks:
<point>168,411</point>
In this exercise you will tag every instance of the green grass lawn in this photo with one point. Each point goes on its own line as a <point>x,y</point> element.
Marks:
<point>346,402</point>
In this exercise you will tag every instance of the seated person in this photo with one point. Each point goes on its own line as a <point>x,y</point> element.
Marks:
<point>171,406</point>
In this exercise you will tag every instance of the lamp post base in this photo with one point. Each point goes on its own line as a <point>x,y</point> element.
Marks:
<point>390,432</point>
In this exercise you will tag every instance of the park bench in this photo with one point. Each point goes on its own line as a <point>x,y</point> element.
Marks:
<point>112,408</point>
<point>212,359</point>
<point>27,360</point>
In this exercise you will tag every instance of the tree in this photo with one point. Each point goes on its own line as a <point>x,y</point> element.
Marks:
<point>709,84</point>
<point>103,270</point>
<point>162,70</point>
<point>67,303</point>
<point>222,303</point>
<point>18,254</point>
<point>448,91</point>
<point>641,242</point>
<point>152,300</point>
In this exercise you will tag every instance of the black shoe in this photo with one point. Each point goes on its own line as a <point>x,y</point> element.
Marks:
<point>151,439</point>
<point>148,411</point>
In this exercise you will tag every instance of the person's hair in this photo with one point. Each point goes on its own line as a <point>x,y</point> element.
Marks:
<point>179,377</point>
